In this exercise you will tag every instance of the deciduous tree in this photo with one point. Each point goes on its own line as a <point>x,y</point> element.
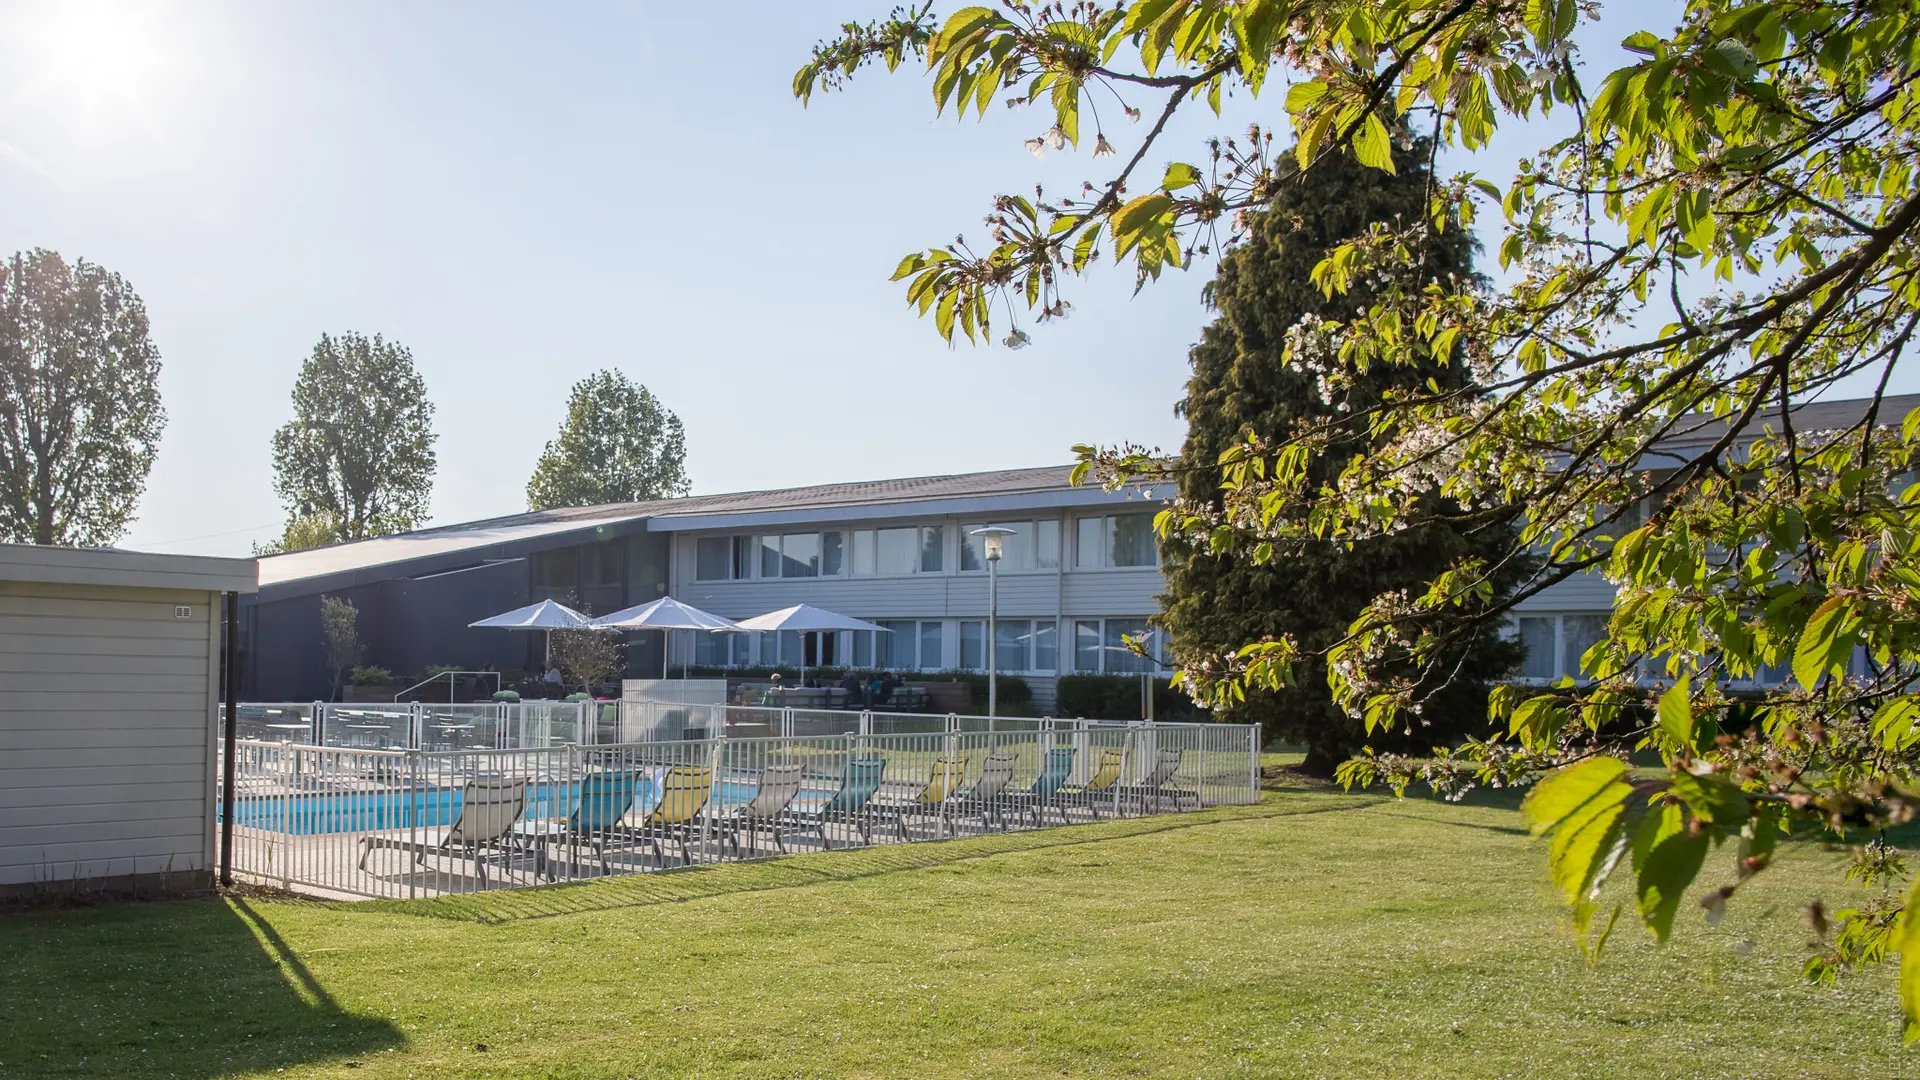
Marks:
<point>340,630</point>
<point>80,412</point>
<point>617,444</point>
<point>1731,227</point>
<point>359,449</point>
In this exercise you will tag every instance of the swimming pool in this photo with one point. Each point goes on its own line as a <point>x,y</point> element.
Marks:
<point>376,811</point>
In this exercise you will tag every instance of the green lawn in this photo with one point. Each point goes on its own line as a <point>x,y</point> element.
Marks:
<point>1317,934</point>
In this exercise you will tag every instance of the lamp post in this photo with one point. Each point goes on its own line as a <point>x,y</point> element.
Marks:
<point>994,540</point>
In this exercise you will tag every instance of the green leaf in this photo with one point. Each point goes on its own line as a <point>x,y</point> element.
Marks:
<point>1585,843</point>
<point>1301,96</point>
<point>1825,643</point>
<point>1372,146</point>
<point>1643,42</point>
<point>1712,798</point>
<point>1179,175</point>
<point>1565,790</point>
<point>1896,723</point>
<point>1906,942</point>
<point>1676,713</point>
<point>1666,859</point>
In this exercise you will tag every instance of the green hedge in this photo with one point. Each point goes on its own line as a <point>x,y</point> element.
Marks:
<point>1117,697</point>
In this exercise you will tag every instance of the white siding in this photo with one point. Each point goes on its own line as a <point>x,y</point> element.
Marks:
<point>106,728</point>
<point>1585,591</point>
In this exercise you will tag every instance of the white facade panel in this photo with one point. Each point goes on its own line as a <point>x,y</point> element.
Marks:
<point>107,710</point>
<point>1586,591</point>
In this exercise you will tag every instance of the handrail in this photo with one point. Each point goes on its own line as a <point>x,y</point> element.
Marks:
<point>449,676</point>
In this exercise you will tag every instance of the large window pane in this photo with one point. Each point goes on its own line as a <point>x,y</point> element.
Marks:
<point>768,642</point>
<point>713,558</point>
<point>973,549</point>
<point>1019,546</point>
<point>1087,546</point>
<point>1011,639</point>
<point>790,646</point>
<point>830,554</point>
<point>741,646</point>
<point>769,556</point>
<point>932,547</point>
<point>973,645</point>
<point>1046,544</point>
<point>1579,633</point>
<point>1133,541</point>
<point>899,550</point>
<point>600,565</point>
<point>1537,637</point>
<point>800,555</point>
<point>1086,645</point>
<point>742,557</point>
<point>1043,645</point>
<point>863,648</point>
<point>863,553</point>
<point>557,570</point>
<point>895,650</point>
<point>932,656</point>
<point>1119,656</point>
<point>710,650</point>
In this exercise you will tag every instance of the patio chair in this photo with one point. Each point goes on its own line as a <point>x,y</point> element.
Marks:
<point>778,786</point>
<point>675,815</point>
<point>488,811</point>
<point>1157,785</point>
<point>944,778</point>
<point>1104,784</point>
<point>857,787</point>
<point>605,798</point>
<point>1041,794</point>
<point>984,799</point>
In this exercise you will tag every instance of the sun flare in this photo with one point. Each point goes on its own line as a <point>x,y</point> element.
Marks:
<point>97,57</point>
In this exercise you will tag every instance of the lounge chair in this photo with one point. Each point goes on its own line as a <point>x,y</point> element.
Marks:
<point>684,791</point>
<point>1158,784</point>
<point>1103,785</point>
<point>488,811</point>
<point>944,778</point>
<point>984,798</point>
<point>778,786</point>
<point>605,798</point>
<point>857,786</point>
<point>1041,794</point>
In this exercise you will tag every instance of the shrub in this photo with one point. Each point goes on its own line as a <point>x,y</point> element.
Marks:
<point>1117,697</point>
<point>371,676</point>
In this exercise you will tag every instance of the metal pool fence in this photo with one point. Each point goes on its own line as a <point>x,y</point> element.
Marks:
<point>335,820</point>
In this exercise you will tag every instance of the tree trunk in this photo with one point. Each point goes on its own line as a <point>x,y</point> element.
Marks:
<point>1321,762</point>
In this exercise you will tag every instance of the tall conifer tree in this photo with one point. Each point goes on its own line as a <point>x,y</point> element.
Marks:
<point>1217,603</point>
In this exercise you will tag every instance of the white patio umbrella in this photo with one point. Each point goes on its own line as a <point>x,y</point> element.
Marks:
<point>545,615</point>
<point>807,619</point>
<point>667,614</point>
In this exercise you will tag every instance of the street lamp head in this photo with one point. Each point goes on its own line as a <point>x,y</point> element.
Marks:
<point>994,537</point>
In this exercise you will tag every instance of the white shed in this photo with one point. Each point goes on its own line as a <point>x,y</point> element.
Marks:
<point>109,710</point>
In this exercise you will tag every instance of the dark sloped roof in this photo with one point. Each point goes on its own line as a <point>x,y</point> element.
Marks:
<point>1697,433</point>
<point>491,532</point>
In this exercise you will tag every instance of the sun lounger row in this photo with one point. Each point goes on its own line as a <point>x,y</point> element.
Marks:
<point>784,803</point>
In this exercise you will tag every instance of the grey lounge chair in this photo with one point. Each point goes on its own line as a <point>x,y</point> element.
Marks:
<point>778,786</point>
<point>488,811</point>
<point>1157,785</point>
<point>984,799</point>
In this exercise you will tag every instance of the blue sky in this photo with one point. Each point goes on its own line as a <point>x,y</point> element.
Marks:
<point>522,198</point>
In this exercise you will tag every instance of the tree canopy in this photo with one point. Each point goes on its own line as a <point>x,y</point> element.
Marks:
<point>1730,230</point>
<point>80,412</point>
<point>358,454</point>
<point>617,444</point>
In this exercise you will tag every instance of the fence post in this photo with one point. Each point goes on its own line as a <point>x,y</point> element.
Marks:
<point>1253,757</point>
<point>786,723</point>
<point>411,787</point>
<point>716,758</point>
<point>317,721</point>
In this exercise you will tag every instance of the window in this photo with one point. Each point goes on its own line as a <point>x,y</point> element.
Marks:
<point>1046,544</point>
<point>899,550</point>
<point>1011,638</point>
<point>973,645</point>
<point>973,549</point>
<point>1087,543</point>
<point>1017,547</point>
<point>830,555</point>
<point>769,556</point>
<point>800,555</point>
<point>1132,542</point>
<point>742,557</point>
<point>1555,643</point>
<point>741,646</point>
<point>896,649</point>
<point>558,569</point>
<point>863,563</point>
<point>769,643</point>
<point>713,559</point>
<point>863,648</point>
<point>932,656</point>
<point>600,565</point>
<point>933,542</point>
<point>1086,645</point>
<point>1043,644</point>
<point>711,650</point>
<point>1119,656</point>
<point>790,648</point>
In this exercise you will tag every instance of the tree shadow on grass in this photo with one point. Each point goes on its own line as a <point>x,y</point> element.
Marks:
<point>190,988</point>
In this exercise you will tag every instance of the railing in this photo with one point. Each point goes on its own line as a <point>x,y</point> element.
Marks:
<point>352,821</point>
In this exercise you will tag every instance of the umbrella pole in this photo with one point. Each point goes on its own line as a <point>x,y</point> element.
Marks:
<point>666,645</point>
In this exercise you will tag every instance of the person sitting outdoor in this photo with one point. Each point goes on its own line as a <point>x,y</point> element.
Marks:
<point>774,690</point>
<point>851,684</point>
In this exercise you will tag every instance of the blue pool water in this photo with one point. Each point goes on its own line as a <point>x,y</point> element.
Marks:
<point>372,811</point>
